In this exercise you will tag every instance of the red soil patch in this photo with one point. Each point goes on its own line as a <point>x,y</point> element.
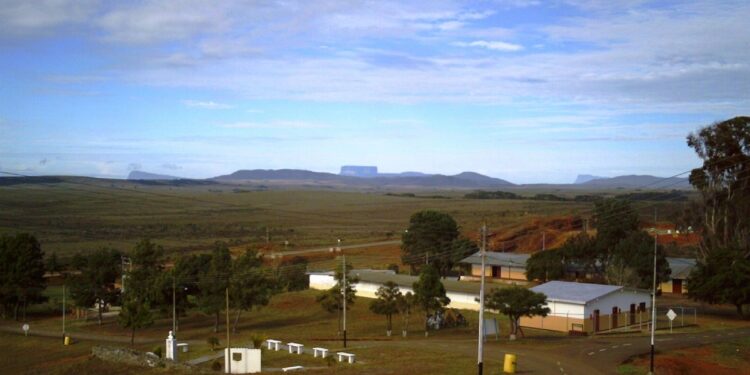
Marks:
<point>528,237</point>
<point>689,361</point>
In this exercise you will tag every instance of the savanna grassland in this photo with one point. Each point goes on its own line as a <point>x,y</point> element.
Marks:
<point>76,215</point>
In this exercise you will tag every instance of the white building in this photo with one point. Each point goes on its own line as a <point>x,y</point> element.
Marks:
<point>590,308</point>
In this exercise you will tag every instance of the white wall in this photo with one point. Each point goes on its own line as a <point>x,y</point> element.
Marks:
<point>566,309</point>
<point>366,289</point>
<point>621,298</point>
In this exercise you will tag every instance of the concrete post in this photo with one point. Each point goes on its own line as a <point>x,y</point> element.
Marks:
<point>171,352</point>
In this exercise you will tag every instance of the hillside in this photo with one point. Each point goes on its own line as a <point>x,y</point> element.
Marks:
<point>141,175</point>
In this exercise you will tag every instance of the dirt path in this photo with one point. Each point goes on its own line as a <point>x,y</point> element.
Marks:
<point>327,249</point>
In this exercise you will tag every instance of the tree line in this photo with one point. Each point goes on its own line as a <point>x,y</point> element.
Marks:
<point>148,288</point>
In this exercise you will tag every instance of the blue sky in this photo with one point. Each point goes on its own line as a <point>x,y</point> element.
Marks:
<point>528,91</point>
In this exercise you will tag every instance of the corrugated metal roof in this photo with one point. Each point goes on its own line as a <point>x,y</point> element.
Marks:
<point>565,291</point>
<point>681,267</point>
<point>498,259</point>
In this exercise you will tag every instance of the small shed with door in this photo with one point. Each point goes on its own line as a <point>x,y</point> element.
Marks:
<point>681,268</point>
<point>590,308</point>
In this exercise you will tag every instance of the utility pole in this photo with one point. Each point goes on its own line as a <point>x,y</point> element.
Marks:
<point>544,240</point>
<point>586,225</point>
<point>480,344</point>
<point>653,295</point>
<point>63,313</point>
<point>229,347</point>
<point>174,309</point>
<point>343,289</point>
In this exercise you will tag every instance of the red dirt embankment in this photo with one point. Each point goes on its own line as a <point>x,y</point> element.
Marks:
<point>527,237</point>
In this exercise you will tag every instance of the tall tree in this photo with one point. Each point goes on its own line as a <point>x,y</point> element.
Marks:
<point>633,262</point>
<point>387,303</point>
<point>135,313</point>
<point>516,302</point>
<point>724,184</point>
<point>459,249</point>
<point>723,277</point>
<point>94,285</point>
<point>143,292</point>
<point>545,265</point>
<point>405,306</point>
<point>214,282</point>
<point>429,293</point>
<point>251,284</point>
<point>332,300</point>
<point>21,273</point>
<point>292,274</point>
<point>615,219</point>
<point>723,216</point>
<point>581,252</point>
<point>430,235</point>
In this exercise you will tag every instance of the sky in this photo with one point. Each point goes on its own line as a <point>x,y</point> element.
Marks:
<point>528,91</point>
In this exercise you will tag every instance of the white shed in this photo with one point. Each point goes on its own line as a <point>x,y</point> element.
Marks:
<point>580,307</point>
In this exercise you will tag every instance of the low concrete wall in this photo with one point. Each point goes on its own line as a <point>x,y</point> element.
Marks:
<point>134,358</point>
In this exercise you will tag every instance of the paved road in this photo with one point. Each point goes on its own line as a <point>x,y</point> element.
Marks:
<point>327,249</point>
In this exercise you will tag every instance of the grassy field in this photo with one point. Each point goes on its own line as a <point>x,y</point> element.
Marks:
<point>726,358</point>
<point>68,217</point>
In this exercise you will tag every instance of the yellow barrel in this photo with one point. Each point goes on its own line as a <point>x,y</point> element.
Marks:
<point>67,340</point>
<point>509,367</point>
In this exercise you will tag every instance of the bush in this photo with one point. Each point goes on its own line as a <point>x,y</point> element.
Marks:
<point>213,341</point>
<point>158,351</point>
<point>330,361</point>
<point>393,267</point>
<point>257,340</point>
<point>217,366</point>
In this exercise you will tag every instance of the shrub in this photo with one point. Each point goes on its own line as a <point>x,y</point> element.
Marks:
<point>213,341</point>
<point>217,366</point>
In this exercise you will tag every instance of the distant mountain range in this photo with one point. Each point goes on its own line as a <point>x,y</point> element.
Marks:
<point>141,175</point>
<point>584,178</point>
<point>372,179</point>
<point>289,176</point>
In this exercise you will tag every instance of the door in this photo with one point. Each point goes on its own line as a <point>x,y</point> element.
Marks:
<point>632,314</point>
<point>496,272</point>
<point>677,286</point>
<point>596,320</point>
<point>615,313</point>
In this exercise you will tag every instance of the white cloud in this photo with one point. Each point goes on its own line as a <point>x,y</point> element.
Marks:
<point>492,45</point>
<point>29,17</point>
<point>206,104</point>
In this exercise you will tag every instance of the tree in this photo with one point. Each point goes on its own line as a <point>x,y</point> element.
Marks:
<point>21,273</point>
<point>292,274</point>
<point>251,285</point>
<point>429,293</point>
<point>723,184</point>
<point>95,282</point>
<point>135,313</point>
<point>53,264</point>
<point>405,306</point>
<point>187,269</point>
<point>615,219</point>
<point>581,251</point>
<point>722,277</point>
<point>515,302</point>
<point>143,287</point>
<point>545,265</point>
<point>332,299</point>
<point>389,295</point>
<point>633,262</point>
<point>723,215</point>
<point>214,282</point>
<point>430,233</point>
<point>459,249</point>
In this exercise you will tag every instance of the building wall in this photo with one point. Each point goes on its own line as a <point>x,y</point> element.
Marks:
<point>510,273</point>
<point>622,299</point>
<point>667,287</point>
<point>465,301</point>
